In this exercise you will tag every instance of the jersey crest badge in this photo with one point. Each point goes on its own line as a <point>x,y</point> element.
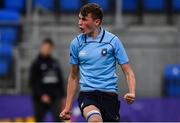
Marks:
<point>104,52</point>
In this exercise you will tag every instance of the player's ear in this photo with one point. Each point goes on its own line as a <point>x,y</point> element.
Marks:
<point>97,22</point>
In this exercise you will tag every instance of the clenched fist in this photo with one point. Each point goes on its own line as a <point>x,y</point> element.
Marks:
<point>129,97</point>
<point>65,115</point>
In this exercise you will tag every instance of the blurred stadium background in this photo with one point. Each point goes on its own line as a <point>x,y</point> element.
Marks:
<point>149,30</point>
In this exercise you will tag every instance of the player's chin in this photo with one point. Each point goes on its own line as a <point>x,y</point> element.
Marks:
<point>83,32</point>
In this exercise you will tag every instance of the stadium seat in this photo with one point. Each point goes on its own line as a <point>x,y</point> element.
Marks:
<point>3,68</point>
<point>46,4</point>
<point>172,71</point>
<point>129,5</point>
<point>69,5</point>
<point>173,90</point>
<point>9,22</point>
<point>8,35</point>
<point>154,5</point>
<point>15,5</point>
<point>6,52</point>
<point>105,4</point>
<point>176,5</point>
<point>172,80</point>
<point>9,16</point>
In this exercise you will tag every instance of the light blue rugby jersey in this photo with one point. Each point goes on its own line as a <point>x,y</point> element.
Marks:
<point>97,60</point>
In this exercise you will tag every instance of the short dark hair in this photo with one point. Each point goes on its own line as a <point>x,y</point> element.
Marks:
<point>48,41</point>
<point>94,9</point>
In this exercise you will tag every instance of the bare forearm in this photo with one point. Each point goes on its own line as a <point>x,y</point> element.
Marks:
<point>130,96</point>
<point>71,90</point>
<point>131,81</point>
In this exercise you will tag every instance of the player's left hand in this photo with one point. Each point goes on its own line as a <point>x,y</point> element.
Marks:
<point>129,97</point>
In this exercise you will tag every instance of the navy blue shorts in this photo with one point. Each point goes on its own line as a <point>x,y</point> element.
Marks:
<point>107,103</point>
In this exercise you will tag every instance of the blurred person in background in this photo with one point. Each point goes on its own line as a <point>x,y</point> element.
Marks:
<point>93,55</point>
<point>46,83</point>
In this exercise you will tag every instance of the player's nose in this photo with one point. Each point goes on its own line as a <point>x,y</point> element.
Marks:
<point>80,22</point>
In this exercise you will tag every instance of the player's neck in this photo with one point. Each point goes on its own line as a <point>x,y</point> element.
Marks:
<point>95,33</point>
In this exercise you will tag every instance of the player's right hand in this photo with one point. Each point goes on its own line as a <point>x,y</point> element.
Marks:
<point>65,115</point>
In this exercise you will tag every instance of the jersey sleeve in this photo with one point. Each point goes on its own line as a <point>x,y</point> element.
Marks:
<point>74,52</point>
<point>120,52</point>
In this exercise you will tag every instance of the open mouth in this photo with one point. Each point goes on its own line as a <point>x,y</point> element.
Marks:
<point>82,29</point>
